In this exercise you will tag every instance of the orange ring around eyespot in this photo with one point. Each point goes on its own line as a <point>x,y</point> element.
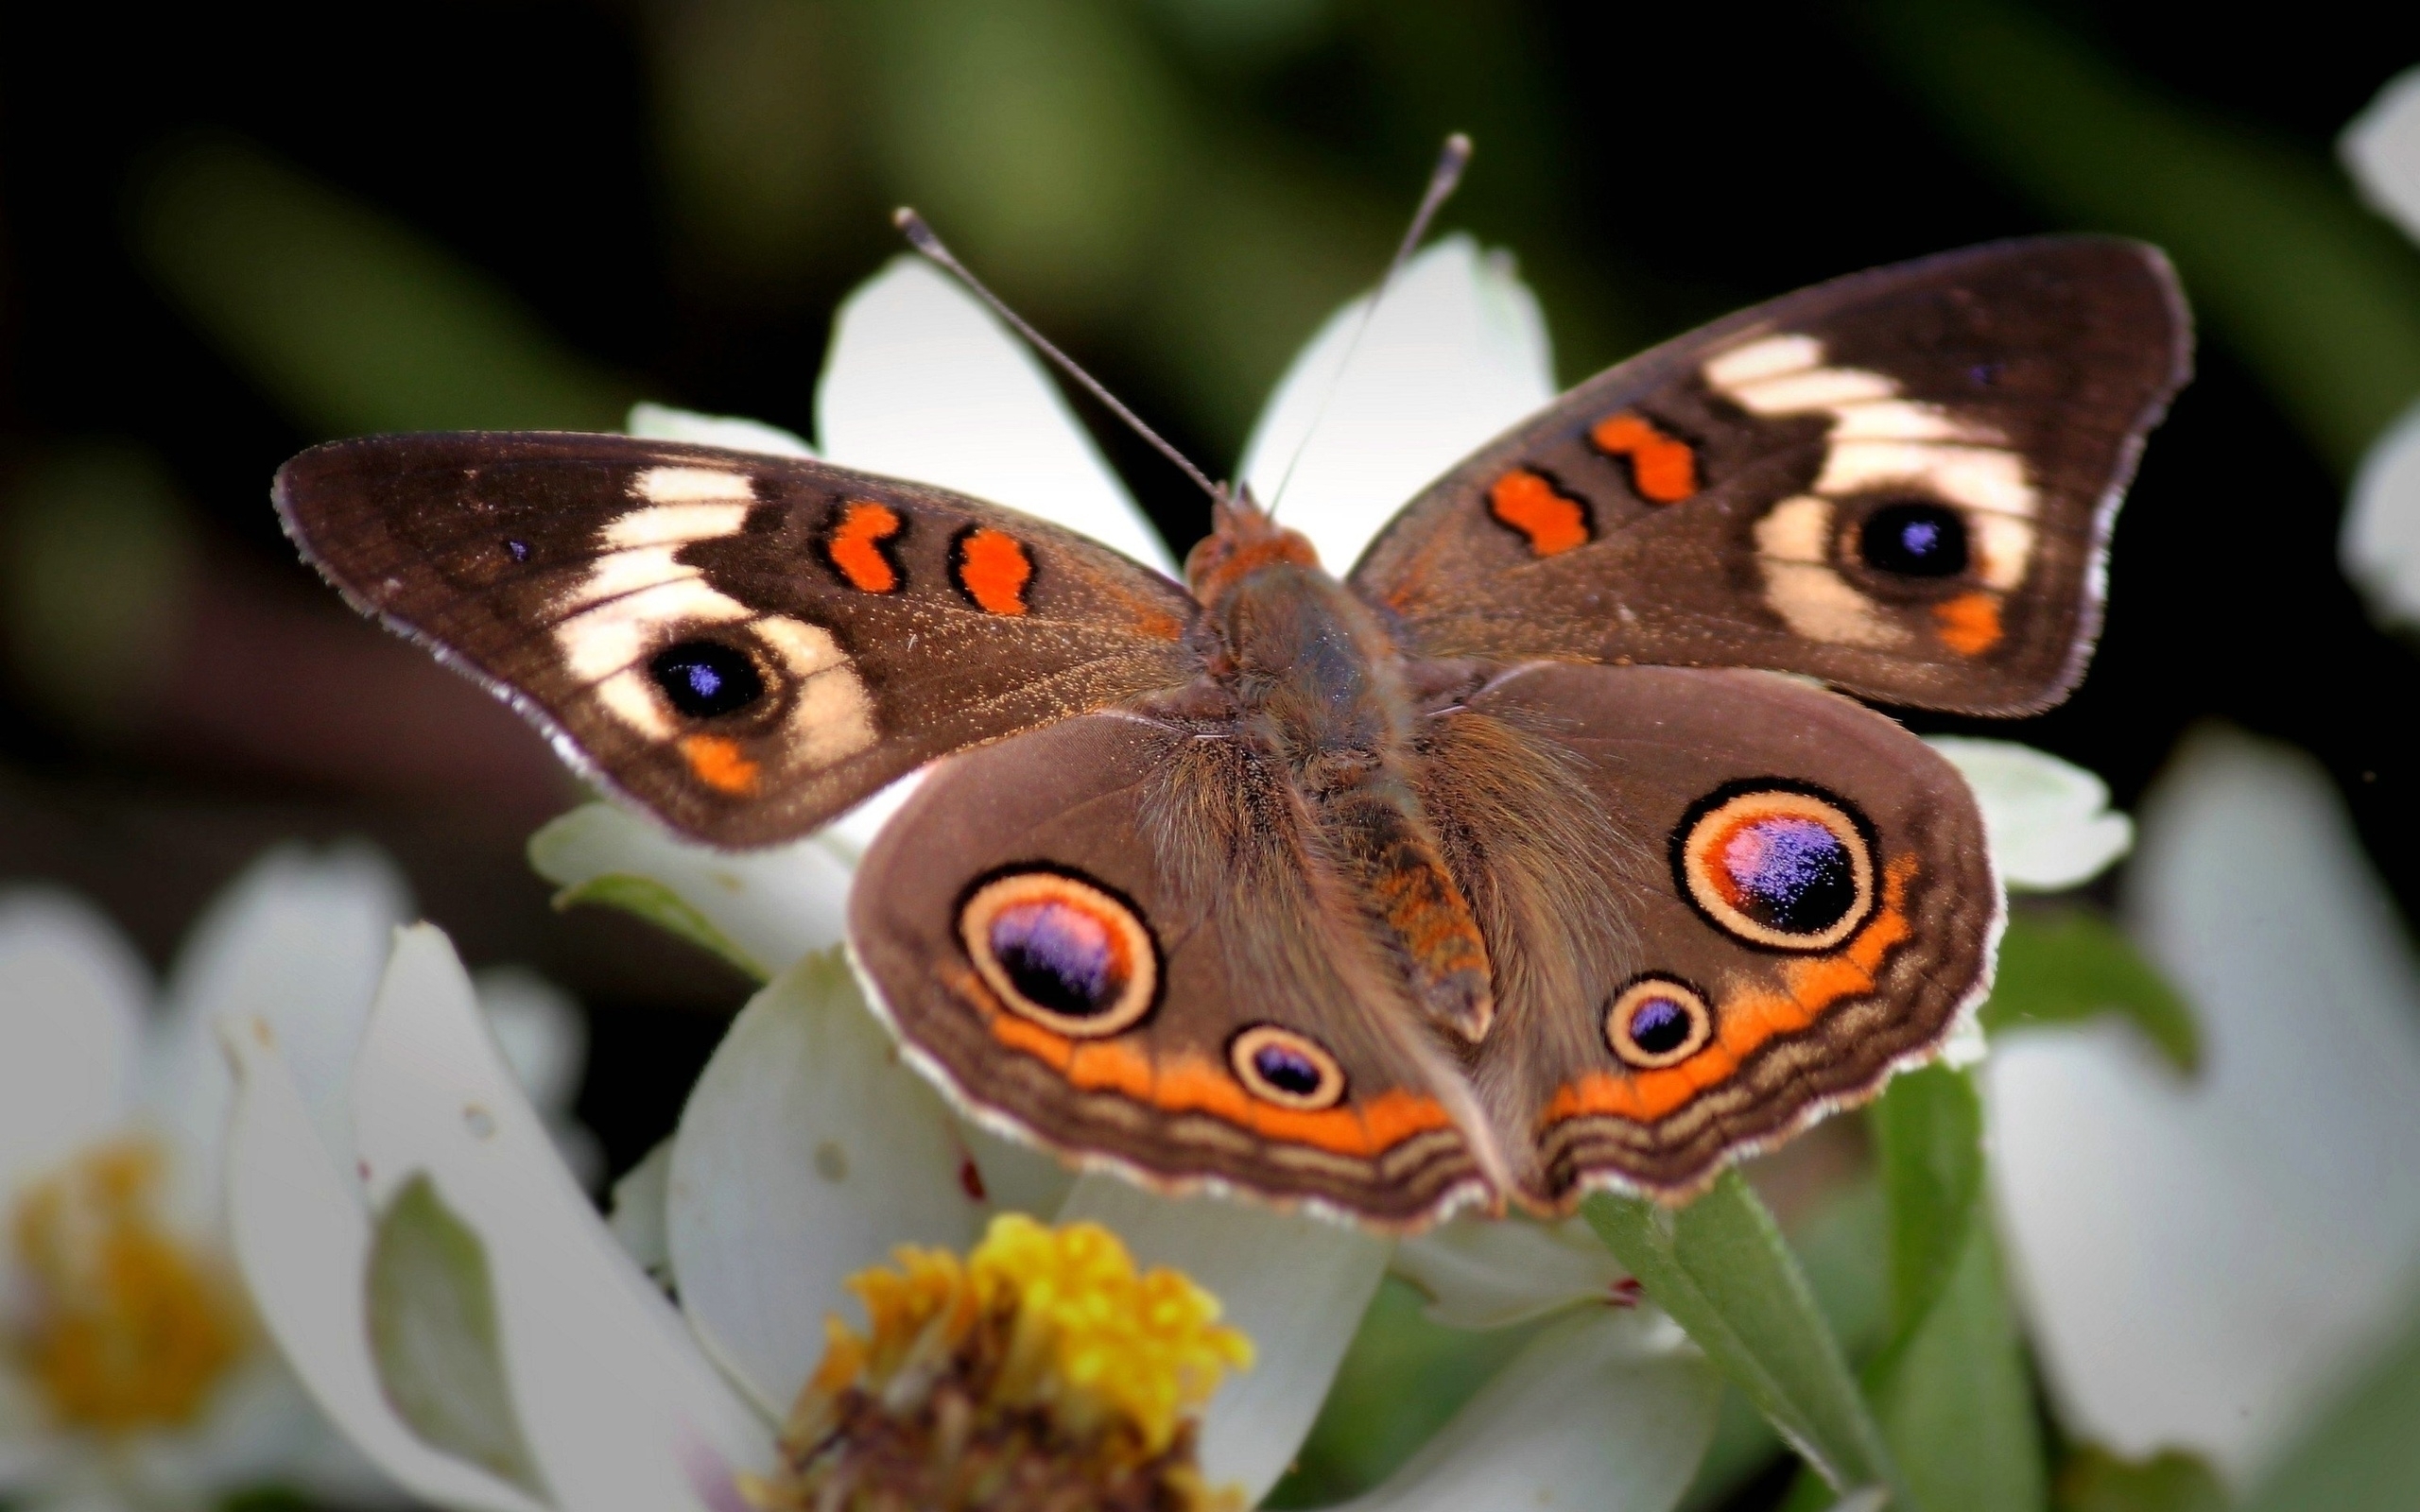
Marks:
<point>1055,910</point>
<point>1625,1006</point>
<point>1721,819</point>
<point>1243,1059</point>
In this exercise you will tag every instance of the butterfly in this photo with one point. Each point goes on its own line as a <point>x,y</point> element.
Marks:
<point>1548,849</point>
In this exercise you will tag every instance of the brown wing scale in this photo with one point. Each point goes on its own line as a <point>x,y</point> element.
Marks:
<point>744,645</point>
<point>1901,481</point>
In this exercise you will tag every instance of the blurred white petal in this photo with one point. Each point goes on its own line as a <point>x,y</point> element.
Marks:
<point>302,1240</point>
<point>637,1214</point>
<point>807,1152</point>
<point>1610,1410</point>
<point>849,834</point>
<point>1457,355</point>
<point>2381,547</point>
<point>297,940</point>
<point>73,995</point>
<point>618,1407</point>
<point>766,907</point>
<point>663,422</point>
<point>2049,820</point>
<point>540,1029</point>
<point>924,383</point>
<point>2382,150</point>
<point>1017,1176</point>
<point>1486,1272</point>
<point>2200,1257</point>
<point>1296,1286</point>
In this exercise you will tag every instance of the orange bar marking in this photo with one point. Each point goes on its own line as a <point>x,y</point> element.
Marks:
<point>1970,624</point>
<point>994,570</point>
<point>1663,468</point>
<point>1550,521</point>
<point>720,763</point>
<point>856,546</point>
<point>1189,1083</point>
<point>1809,988</point>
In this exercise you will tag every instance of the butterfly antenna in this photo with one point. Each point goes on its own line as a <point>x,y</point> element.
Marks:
<point>922,237</point>
<point>1443,180</point>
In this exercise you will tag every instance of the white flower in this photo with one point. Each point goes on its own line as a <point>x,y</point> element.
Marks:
<point>2048,822</point>
<point>129,1369</point>
<point>807,1154</point>
<point>2202,1259</point>
<point>2381,547</point>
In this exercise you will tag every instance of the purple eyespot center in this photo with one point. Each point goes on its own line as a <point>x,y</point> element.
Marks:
<point>1286,1069</point>
<point>1659,1025</point>
<point>703,679</point>
<point>518,549</point>
<point>1786,871</point>
<point>1062,958</point>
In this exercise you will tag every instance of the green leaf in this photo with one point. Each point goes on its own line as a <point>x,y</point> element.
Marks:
<point>2363,1454</point>
<point>1928,1135</point>
<point>2321,294</point>
<point>1955,1399</point>
<point>2094,1480</point>
<point>352,321</point>
<point>1720,1269</point>
<point>2060,965</point>
<point>663,908</point>
<point>433,1334</point>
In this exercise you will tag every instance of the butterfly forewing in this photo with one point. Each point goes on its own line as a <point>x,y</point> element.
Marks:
<point>744,644</point>
<point>1901,482</point>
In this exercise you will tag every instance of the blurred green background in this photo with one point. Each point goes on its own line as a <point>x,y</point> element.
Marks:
<point>226,234</point>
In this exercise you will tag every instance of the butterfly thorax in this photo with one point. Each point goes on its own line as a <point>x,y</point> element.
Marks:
<point>1321,691</point>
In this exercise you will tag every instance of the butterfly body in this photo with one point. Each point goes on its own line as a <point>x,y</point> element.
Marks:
<point>1499,868</point>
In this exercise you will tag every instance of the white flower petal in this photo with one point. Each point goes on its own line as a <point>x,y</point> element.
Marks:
<point>924,383</point>
<point>1457,355</point>
<point>2047,821</point>
<point>2200,1257</point>
<point>766,907</point>
<point>72,999</point>
<point>302,1243</point>
<point>540,1029</point>
<point>2381,547</point>
<point>663,422</point>
<point>1608,1410</point>
<point>1018,1177</point>
<point>806,1152</point>
<point>1297,1287</point>
<point>2382,150</point>
<point>1486,1272</point>
<point>849,834</point>
<point>618,1407</point>
<point>637,1215</point>
<point>297,940</point>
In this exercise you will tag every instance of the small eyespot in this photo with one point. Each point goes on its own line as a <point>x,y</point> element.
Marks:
<point>1063,951</point>
<point>1784,866</point>
<point>518,550</point>
<point>1291,1070</point>
<point>1914,539</point>
<point>1658,1021</point>
<point>704,679</point>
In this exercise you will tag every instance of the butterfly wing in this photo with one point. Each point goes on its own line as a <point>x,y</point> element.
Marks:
<point>1901,482</point>
<point>1130,959</point>
<point>744,645</point>
<point>1783,896</point>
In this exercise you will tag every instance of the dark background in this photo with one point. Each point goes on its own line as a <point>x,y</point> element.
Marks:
<point>667,201</point>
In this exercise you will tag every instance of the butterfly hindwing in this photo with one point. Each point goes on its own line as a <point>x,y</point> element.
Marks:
<point>1124,959</point>
<point>744,644</point>
<point>1799,898</point>
<point>1901,482</point>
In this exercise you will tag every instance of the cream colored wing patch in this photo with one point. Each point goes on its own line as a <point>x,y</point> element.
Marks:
<point>673,660</point>
<point>1879,443</point>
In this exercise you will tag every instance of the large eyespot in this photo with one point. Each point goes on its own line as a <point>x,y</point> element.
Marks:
<point>704,679</point>
<point>1658,1021</point>
<point>1061,951</point>
<point>1784,866</point>
<point>1291,1070</point>
<point>1914,539</point>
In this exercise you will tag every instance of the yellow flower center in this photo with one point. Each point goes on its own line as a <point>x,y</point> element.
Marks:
<point>1042,1367</point>
<point>124,1326</point>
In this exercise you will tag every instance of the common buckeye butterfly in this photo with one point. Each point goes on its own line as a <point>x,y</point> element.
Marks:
<point>1502,868</point>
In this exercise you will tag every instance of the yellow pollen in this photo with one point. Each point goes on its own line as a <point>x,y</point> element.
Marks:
<point>125,1327</point>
